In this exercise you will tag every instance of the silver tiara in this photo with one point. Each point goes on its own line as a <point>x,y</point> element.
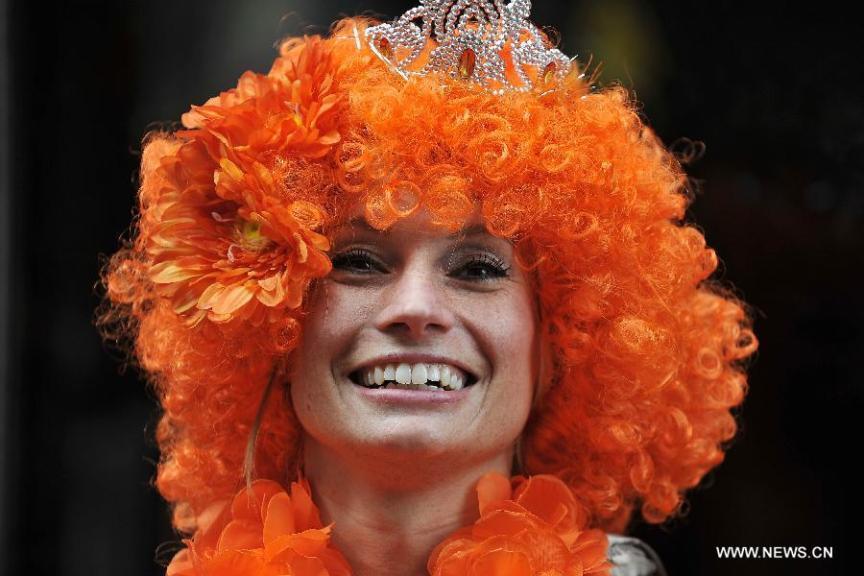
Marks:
<point>474,40</point>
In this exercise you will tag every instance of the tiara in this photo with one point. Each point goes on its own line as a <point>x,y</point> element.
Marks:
<point>486,42</point>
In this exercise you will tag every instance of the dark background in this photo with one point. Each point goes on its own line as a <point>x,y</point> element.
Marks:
<point>775,93</point>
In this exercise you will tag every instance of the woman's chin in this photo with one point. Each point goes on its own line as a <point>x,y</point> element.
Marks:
<point>422,448</point>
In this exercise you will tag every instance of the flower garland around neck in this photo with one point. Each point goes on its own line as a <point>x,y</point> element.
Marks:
<point>527,527</point>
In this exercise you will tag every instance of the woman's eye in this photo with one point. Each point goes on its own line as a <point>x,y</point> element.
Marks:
<point>355,260</point>
<point>483,268</point>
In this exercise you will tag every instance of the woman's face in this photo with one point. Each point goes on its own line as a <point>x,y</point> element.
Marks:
<point>410,294</point>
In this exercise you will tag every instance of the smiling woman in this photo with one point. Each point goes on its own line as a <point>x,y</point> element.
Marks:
<point>399,309</point>
<point>465,271</point>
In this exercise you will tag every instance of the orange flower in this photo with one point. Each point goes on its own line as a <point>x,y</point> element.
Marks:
<point>232,249</point>
<point>294,108</point>
<point>224,241</point>
<point>539,532</point>
<point>264,532</point>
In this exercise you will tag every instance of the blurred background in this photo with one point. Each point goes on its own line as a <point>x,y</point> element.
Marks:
<point>773,91</point>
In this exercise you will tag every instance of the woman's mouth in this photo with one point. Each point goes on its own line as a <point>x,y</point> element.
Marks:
<point>418,376</point>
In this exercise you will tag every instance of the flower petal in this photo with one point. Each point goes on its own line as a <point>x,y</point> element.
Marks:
<point>181,564</point>
<point>237,563</point>
<point>169,272</point>
<point>305,512</point>
<point>279,518</point>
<point>232,299</point>
<point>231,169</point>
<point>330,138</point>
<point>269,283</point>
<point>551,499</point>
<point>240,535</point>
<point>492,487</point>
<point>501,562</point>
<point>250,502</point>
<point>591,547</point>
<point>207,298</point>
<point>309,543</point>
<point>272,298</point>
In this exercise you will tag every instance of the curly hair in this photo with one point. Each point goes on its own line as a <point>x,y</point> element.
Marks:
<point>645,351</point>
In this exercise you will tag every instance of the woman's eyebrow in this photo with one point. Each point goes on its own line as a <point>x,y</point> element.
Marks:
<point>360,223</point>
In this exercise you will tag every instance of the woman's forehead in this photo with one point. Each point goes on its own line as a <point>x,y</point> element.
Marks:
<point>418,222</point>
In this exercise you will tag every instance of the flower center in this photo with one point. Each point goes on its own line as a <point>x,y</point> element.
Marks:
<point>250,236</point>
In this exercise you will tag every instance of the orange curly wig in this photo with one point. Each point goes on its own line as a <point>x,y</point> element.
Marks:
<point>645,352</point>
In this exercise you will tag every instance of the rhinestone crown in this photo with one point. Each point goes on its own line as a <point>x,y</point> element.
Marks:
<point>487,42</point>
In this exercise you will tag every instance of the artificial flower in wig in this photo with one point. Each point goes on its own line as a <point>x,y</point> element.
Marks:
<point>536,528</point>
<point>224,238</point>
<point>264,532</point>
<point>291,110</point>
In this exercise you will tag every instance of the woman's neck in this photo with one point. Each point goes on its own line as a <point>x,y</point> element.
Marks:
<point>390,513</point>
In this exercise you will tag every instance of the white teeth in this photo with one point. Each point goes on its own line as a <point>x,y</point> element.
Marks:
<point>455,382</point>
<point>420,375</point>
<point>403,374</point>
<point>413,387</point>
<point>445,375</point>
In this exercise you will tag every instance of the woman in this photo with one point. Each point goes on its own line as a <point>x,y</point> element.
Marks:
<point>419,301</point>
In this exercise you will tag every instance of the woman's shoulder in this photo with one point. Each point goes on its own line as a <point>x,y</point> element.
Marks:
<point>633,557</point>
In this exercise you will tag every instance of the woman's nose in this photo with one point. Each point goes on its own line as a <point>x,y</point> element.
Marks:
<point>415,305</point>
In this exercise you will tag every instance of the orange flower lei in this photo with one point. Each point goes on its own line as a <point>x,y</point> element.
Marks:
<point>527,527</point>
